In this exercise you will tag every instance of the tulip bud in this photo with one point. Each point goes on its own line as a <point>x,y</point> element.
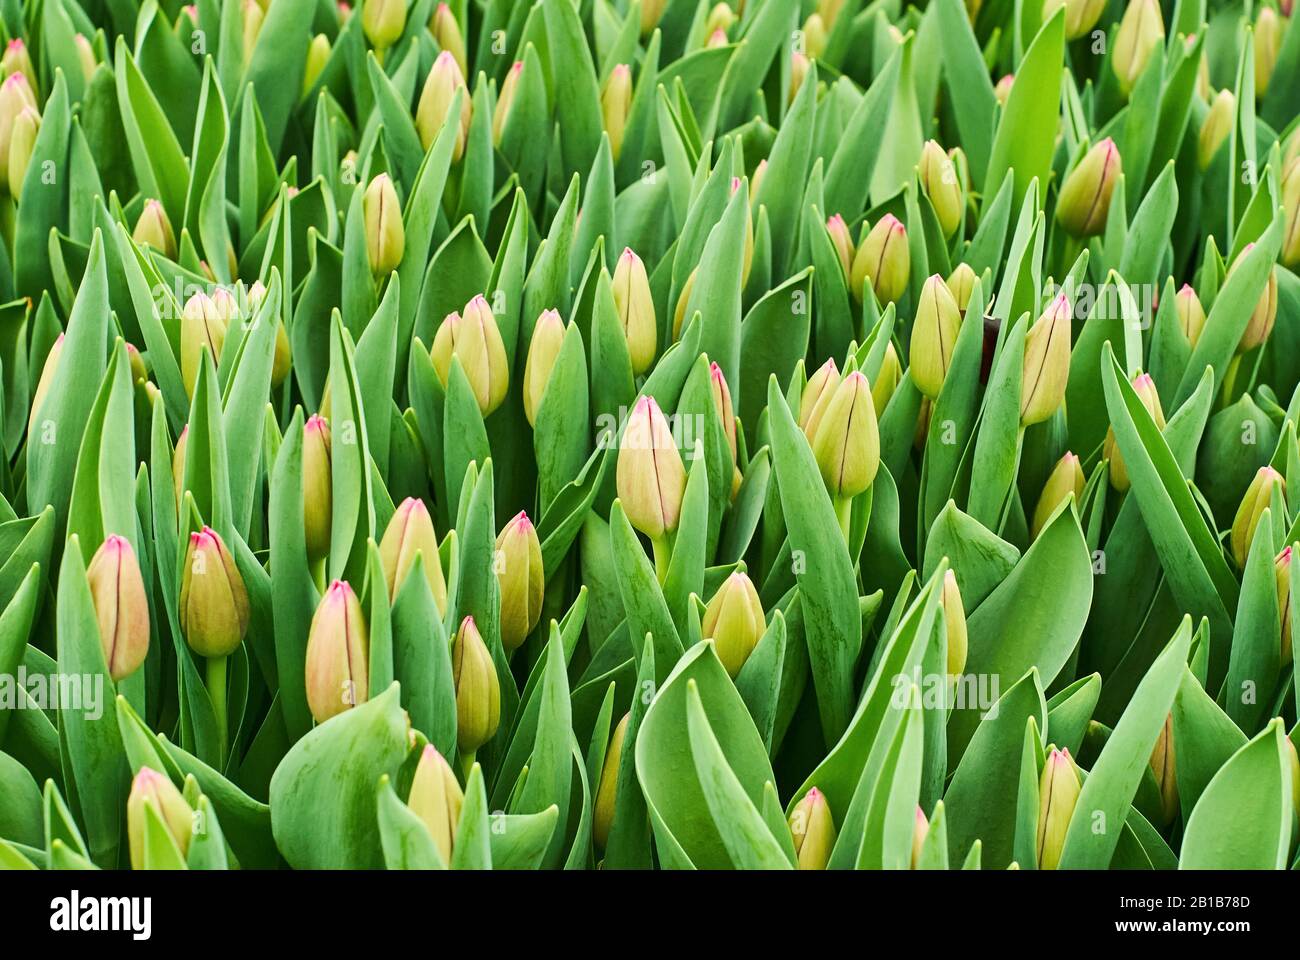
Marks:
<point>747,266</point>
<point>1084,201</point>
<point>813,831</point>
<point>954,616</point>
<point>282,360</point>
<point>887,380</point>
<point>318,54</point>
<point>722,405</point>
<point>847,442</point>
<point>760,171</point>
<point>436,798</point>
<point>1282,573</point>
<point>338,654</point>
<point>1264,315</point>
<point>1294,758</point>
<point>1290,254</point>
<point>521,579</point>
<point>1215,127</point>
<point>1066,478</point>
<point>734,621</point>
<point>961,284</point>
<point>1146,391</point>
<point>651,12</point>
<point>410,532</point>
<point>607,791</point>
<point>153,229</point>
<point>940,182</point>
<point>1202,74</point>
<point>1259,495</point>
<point>476,340</point>
<point>1080,15</point>
<point>798,71</point>
<point>21,142</point>
<point>829,11</point>
<point>15,96</point>
<point>43,384</point>
<point>1268,44</point>
<point>920,830</point>
<point>1140,31</point>
<point>934,334</point>
<point>548,339</point>
<point>1002,90</point>
<point>651,478</point>
<point>816,397</point>
<point>446,31</point>
<point>1162,765</point>
<point>17,60</point>
<point>615,105</point>
<point>842,242</point>
<point>1047,364</point>
<point>884,260</point>
<point>383,22</point>
<point>136,362</point>
<point>317,487</point>
<point>1191,315</point>
<point>151,789</point>
<point>478,694</point>
<point>636,311</point>
<point>201,326</point>
<point>385,235</point>
<point>253,16</point>
<point>214,603</point>
<point>815,36</point>
<point>1058,792</point>
<point>506,101</point>
<point>683,300</point>
<point>121,606</point>
<point>439,91</point>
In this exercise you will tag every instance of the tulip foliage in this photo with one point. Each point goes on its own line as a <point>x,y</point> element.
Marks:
<point>649,433</point>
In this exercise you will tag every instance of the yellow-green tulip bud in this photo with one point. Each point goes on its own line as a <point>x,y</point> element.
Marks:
<point>1146,391</point>
<point>439,91</point>
<point>920,830</point>
<point>942,185</point>
<point>954,615</point>
<point>636,311</point>
<point>1191,315</point>
<point>436,798</point>
<point>734,621</point>
<point>138,369</point>
<point>506,101</point>
<point>721,18</point>
<point>1066,478</point>
<point>651,12</point>
<point>847,442</point>
<point>43,384</point>
<point>1162,765</point>
<point>178,466</point>
<point>22,140</point>
<point>1084,201</point>
<point>883,260</point>
<point>760,171</point>
<point>383,22</point>
<point>338,654</point>
<point>961,284</point>
<point>446,31</point>
<point>683,300</point>
<point>1282,574</point>
<point>521,579</point>
<point>607,791</point>
<point>16,60</point>
<point>815,36</point>
<point>1294,762</point>
<point>887,380</point>
<point>829,11</point>
<point>476,340</point>
<point>543,350</point>
<point>1215,127</point>
<point>1080,15</point>
<point>1290,254</point>
<point>651,477</point>
<point>1203,89</point>
<point>15,96</point>
<point>615,106</point>
<point>282,360</point>
<point>934,334</point>
<point>150,788</point>
<point>1259,495</point>
<point>253,17</point>
<point>385,235</point>
<point>1141,30</point>
<point>1268,44</point>
<point>214,608</point>
<point>121,606</point>
<point>153,229</point>
<point>410,532</point>
<point>813,831</point>
<point>1002,90</point>
<point>842,242</point>
<point>478,694</point>
<point>318,54</point>
<point>1058,792</point>
<point>1047,364</point>
<point>317,487</point>
<point>1264,316</point>
<point>816,397</point>
<point>201,326</point>
<point>798,71</point>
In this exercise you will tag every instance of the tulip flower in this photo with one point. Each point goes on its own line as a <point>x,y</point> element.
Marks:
<point>385,235</point>
<point>1294,761</point>
<point>16,60</point>
<point>1290,255</point>
<point>151,789</point>
<point>734,621</point>
<point>817,396</point>
<point>121,606</point>
<point>318,54</point>
<point>940,182</point>
<point>44,382</point>
<point>887,380</point>
<point>798,71</point>
<point>847,443</point>
<point>954,616</point>
<point>1146,391</point>
<point>651,12</point>
<point>961,284</point>
<point>543,351</point>
<point>252,17</point>
<point>521,579</point>
<point>934,335</point>
<point>136,362</point>
<point>478,693</point>
<point>884,260</point>
<point>178,466</point>
<point>683,300</point>
<point>410,533</point>
<point>607,789</point>
<point>446,33</point>
<point>1191,315</point>
<point>337,674</point>
<point>1080,15</point>
<point>506,101</point>
<point>842,242</point>
<point>1264,316</point>
<point>727,417</point>
<point>214,607</point>
<point>1046,364</point>
<point>920,830</point>
<point>636,311</point>
<point>85,57</point>
<point>1258,498</point>
<point>1268,45</point>
<point>21,142</point>
<point>1002,89</point>
<point>1140,31</point>
<point>1058,793</point>
<point>1065,479</point>
<point>383,22</point>
<point>1162,765</point>
<point>813,831</point>
<point>1216,127</point>
<point>815,36</point>
<point>153,229</point>
<point>1282,574</point>
<point>440,88</point>
<point>651,478</point>
<point>616,105</point>
<point>1083,204</point>
<point>201,327</point>
<point>475,339</point>
<point>436,798</point>
<point>317,487</point>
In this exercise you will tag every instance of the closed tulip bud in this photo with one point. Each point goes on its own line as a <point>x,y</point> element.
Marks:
<point>317,487</point>
<point>153,229</point>
<point>150,788</point>
<point>1258,498</point>
<point>748,264</point>
<point>934,334</point>
<point>607,791</point>
<point>548,339</point>
<point>21,142</point>
<point>1268,44</point>
<point>338,654</point>
<point>138,370</point>
<point>1203,89</point>
<point>887,380</point>
<point>15,96</point>
<point>1292,151</point>
<point>883,260</point>
<point>43,384</point>
<point>410,532</point>
<point>722,404</point>
<point>813,831</point>
<point>920,830</point>
<point>178,465</point>
<point>16,59</point>
<point>1264,316</point>
<point>721,18</point>
<point>954,615</point>
<point>436,798</point>
<point>734,621</point>
<point>1191,315</point>
<point>615,105</point>
<point>214,607</point>
<point>1146,391</point>
<point>282,360</point>
<point>847,443</point>
<point>718,38</point>
<point>1294,762</point>
<point>521,579</point>
<point>253,16</point>
<point>440,87</point>
<point>121,606</point>
<point>842,242</point>
<point>1141,30</point>
<point>318,54</point>
<point>961,284</point>
<point>651,477</point>
<point>383,22</point>
<point>816,397</point>
<point>942,185</point>
<point>446,31</point>
<point>201,326</point>
<point>1215,127</point>
<point>683,300</point>
<point>1058,792</point>
<point>1080,15</point>
<point>1084,201</point>
<point>760,171</point>
<point>798,71</point>
<point>1002,90</point>
<point>1282,572</point>
<point>385,235</point>
<point>475,339</point>
<point>815,36</point>
<point>1047,364</point>
<point>478,694</point>
<point>1066,478</point>
<point>1290,255</point>
<point>829,11</point>
<point>1162,765</point>
<point>651,12</point>
<point>636,311</point>
<point>506,101</point>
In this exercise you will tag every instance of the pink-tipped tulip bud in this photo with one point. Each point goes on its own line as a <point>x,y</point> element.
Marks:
<point>1047,364</point>
<point>16,60</point>
<point>813,831</point>
<point>475,339</point>
<point>253,16</point>
<point>954,616</point>
<point>727,417</point>
<point>214,608</point>
<point>543,351</point>
<point>799,65</point>
<point>1191,315</point>
<point>383,22</point>
<point>1058,792</point>
<point>201,328</point>
<point>734,621</point>
<point>651,478</point>
<point>1141,30</point>
<point>139,371</point>
<point>338,654</point>
<point>440,88</point>
<point>1258,498</point>
<point>941,183</point>
<point>151,789</point>
<point>847,442</point>
<point>843,244</point>
<point>447,34</point>
<point>153,229</point>
<point>121,606</point>
<point>317,487</point>
<point>616,106</point>
<point>816,397</point>
<point>934,335</point>
<point>506,101</point>
<point>1282,574</point>
<point>478,693</point>
<point>436,798</point>
<point>410,533</point>
<point>607,791</point>
<point>1162,765</point>
<point>1084,201</point>
<point>1002,90</point>
<point>920,830</point>
<point>1216,127</point>
<point>636,311</point>
<point>1065,479</point>
<point>385,235</point>
<point>521,579</point>
<point>16,95</point>
<point>883,260</point>
<point>1146,391</point>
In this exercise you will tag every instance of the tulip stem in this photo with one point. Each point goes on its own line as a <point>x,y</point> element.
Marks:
<point>217,691</point>
<point>844,513</point>
<point>466,765</point>
<point>662,557</point>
